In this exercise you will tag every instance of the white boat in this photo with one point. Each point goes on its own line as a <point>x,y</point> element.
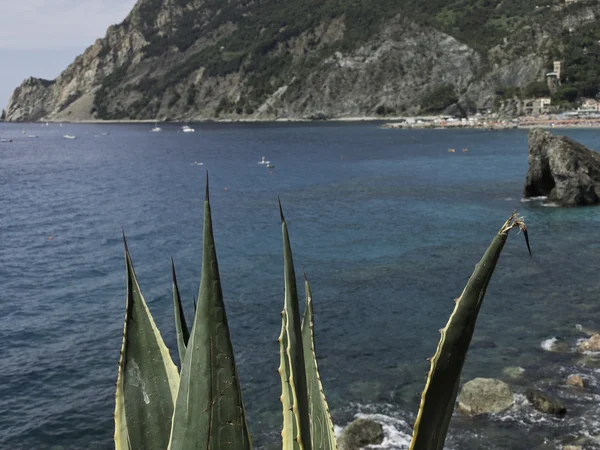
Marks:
<point>262,161</point>
<point>69,136</point>
<point>187,129</point>
<point>6,141</point>
<point>156,128</point>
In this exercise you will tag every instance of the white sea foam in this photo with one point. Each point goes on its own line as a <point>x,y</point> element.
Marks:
<point>540,198</point>
<point>548,344</point>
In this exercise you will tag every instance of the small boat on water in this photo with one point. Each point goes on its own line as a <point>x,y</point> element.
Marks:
<point>187,129</point>
<point>270,166</point>
<point>156,128</point>
<point>262,161</point>
<point>5,141</point>
<point>69,136</point>
<point>451,150</point>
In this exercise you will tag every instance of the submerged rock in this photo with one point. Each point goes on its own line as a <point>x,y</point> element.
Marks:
<point>575,380</point>
<point>590,345</point>
<point>564,171</point>
<point>484,396</point>
<point>545,403</point>
<point>513,372</point>
<point>360,433</point>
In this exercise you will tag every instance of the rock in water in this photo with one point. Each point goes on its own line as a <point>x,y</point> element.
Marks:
<point>590,345</point>
<point>575,380</point>
<point>564,171</point>
<point>3,116</point>
<point>545,403</point>
<point>360,433</point>
<point>484,395</point>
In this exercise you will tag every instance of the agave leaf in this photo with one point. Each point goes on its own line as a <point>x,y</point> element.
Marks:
<point>209,411</point>
<point>295,351</point>
<point>148,380</point>
<point>183,334</point>
<point>439,397</point>
<point>290,425</point>
<point>321,425</point>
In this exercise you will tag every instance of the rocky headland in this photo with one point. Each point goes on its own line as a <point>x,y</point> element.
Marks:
<point>561,170</point>
<point>200,60</point>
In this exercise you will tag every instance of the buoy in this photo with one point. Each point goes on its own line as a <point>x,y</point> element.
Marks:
<point>50,238</point>
<point>226,189</point>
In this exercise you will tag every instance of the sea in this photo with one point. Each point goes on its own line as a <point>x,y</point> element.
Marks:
<point>387,224</point>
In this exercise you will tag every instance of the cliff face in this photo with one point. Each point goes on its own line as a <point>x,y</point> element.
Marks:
<point>204,59</point>
<point>564,171</point>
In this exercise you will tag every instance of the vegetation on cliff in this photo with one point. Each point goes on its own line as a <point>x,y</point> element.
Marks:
<point>267,58</point>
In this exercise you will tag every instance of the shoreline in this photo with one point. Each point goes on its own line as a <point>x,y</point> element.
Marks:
<point>404,122</point>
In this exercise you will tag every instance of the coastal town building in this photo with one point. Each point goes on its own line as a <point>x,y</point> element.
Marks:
<point>590,104</point>
<point>537,106</point>
<point>553,78</point>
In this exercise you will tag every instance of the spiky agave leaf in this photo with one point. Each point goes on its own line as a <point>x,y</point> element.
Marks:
<point>290,426</point>
<point>181,328</point>
<point>209,411</point>
<point>295,350</point>
<point>321,425</point>
<point>148,380</point>
<point>439,397</point>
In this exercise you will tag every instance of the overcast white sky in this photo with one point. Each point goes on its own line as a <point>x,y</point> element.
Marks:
<point>41,37</point>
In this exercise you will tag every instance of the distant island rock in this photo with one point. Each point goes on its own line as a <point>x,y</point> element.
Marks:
<point>3,116</point>
<point>564,171</point>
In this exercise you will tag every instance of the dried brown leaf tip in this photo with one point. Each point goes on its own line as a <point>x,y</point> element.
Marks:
<point>516,221</point>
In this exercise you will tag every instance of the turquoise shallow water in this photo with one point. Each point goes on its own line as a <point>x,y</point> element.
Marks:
<point>387,224</point>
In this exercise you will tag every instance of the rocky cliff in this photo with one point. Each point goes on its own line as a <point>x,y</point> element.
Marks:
<point>564,171</point>
<point>204,59</point>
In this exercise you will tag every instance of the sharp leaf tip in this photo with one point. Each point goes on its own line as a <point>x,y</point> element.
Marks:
<point>280,210</point>
<point>206,198</point>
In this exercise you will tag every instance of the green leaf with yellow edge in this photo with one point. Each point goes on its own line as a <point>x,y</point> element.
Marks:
<point>439,397</point>
<point>147,381</point>
<point>209,411</point>
<point>295,350</point>
<point>290,426</point>
<point>321,425</point>
<point>181,328</point>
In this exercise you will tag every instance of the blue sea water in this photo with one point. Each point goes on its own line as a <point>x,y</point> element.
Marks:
<point>387,224</point>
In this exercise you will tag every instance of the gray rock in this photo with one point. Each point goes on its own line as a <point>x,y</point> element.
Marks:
<point>563,170</point>
<point>3,116</point>
<point>360,433</point>
<point>484,396</point>
<point>545,403</point>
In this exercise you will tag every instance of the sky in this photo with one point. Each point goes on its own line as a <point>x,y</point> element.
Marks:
<point>41,38</point>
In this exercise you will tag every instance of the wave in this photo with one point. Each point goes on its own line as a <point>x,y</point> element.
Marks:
<point>539,198</point>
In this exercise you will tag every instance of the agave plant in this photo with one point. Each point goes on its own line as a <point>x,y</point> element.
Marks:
<point>201,406</point>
